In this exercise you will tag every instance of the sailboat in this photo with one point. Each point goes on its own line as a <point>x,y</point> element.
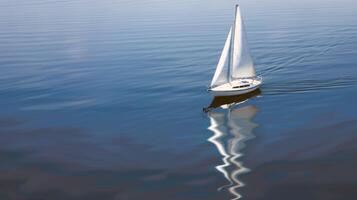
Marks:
<point>235,73</point>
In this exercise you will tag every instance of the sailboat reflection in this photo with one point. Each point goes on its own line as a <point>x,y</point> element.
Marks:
<point>230,131</point>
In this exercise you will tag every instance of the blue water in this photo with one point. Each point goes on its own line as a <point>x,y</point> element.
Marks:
<point>103,100</point>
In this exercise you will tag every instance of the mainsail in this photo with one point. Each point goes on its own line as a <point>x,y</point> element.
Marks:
<point>221,75</point>
<point>235,61</point>
<point>242,63</point>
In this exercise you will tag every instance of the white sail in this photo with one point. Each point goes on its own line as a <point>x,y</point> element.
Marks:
<point>242,63</point>
<point>221,75</point>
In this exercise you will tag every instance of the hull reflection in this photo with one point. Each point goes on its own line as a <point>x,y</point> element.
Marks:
<point>229,101</point>
<point>231,129</point>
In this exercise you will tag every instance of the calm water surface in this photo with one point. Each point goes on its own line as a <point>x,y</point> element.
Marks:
<point>103,100</point>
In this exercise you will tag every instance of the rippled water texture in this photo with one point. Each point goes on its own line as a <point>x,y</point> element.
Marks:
<point>103,100</point>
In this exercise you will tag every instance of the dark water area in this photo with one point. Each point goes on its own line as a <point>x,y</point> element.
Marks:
<point>104,99</point>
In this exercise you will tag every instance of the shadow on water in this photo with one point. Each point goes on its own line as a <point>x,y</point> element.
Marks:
<point>231,129</point>
<point>229,101</point>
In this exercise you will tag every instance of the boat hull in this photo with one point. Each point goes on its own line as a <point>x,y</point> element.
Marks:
<point>236,88</point>
<point>233,92</point>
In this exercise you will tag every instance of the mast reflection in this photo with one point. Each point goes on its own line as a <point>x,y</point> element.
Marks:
<point>231,129</point>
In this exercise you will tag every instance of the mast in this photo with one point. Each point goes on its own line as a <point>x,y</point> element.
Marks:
<point>230,60</point>
<point>232,46</point>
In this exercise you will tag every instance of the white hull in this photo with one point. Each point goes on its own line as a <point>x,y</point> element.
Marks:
<point>237,87</point>
<point>233,92</point>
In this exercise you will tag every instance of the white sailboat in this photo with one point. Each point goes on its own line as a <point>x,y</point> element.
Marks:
<point>235,73</point>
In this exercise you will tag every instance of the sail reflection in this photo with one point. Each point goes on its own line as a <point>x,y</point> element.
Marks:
<point>231,129</point>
